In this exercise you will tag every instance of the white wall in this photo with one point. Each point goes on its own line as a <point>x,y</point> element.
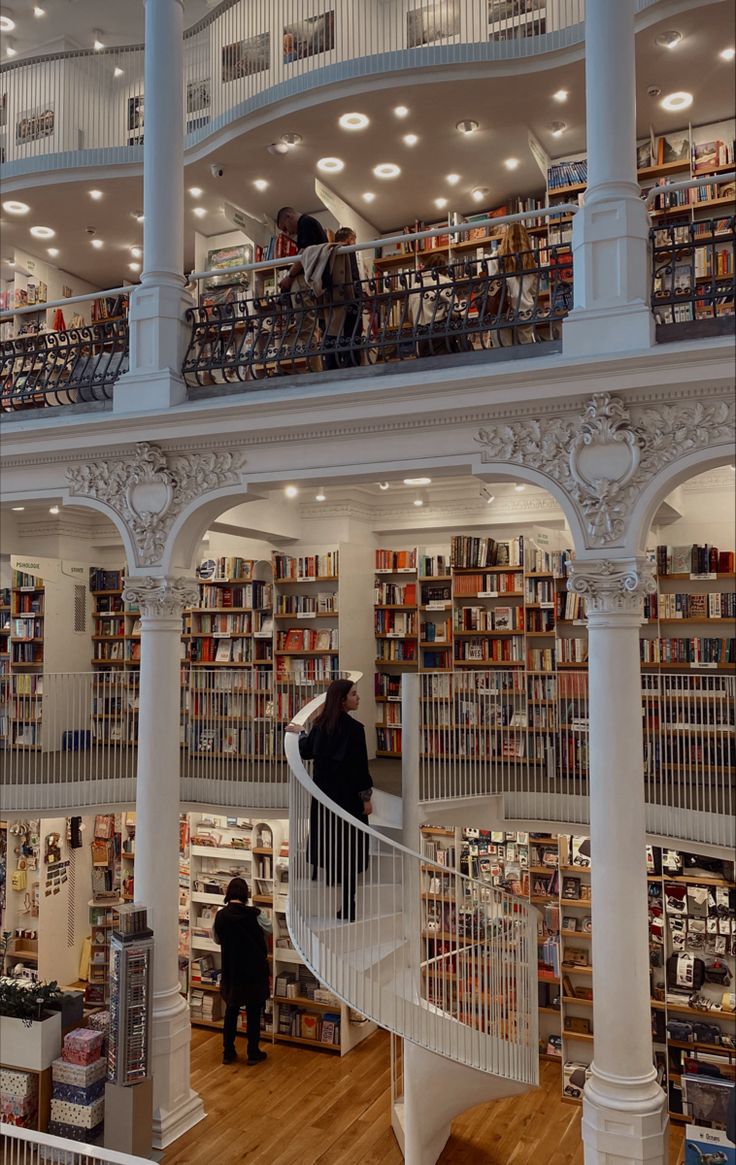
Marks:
<point>708,513</point>
<point>29,269</point>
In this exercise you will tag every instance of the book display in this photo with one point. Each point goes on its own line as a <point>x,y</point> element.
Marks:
<point>396,621</point>
<point>116,634</point>
<point>26,657</point>
<point>306,601</point>
<point>233,623</point>
<point>5,611</point>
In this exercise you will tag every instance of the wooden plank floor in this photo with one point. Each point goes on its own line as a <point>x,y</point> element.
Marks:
<point>311,1108</point>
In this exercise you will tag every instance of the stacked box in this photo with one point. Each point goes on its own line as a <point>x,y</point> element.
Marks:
<point>17,1084</point>
<point>78,1075</point>
<point>82,1116</point>
<point>18,1098</point>
<point>82,1046</point>
<point>77,1095</point>
<point>99,1021</point>
<point>75,1132</point>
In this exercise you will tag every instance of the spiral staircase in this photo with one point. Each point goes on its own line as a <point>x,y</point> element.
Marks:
<point>440,960</point>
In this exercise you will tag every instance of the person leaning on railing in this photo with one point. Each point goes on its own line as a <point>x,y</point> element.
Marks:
<point>516,263</point>
<point>439,296</point>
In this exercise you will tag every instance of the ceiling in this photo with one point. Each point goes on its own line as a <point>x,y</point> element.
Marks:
<point>507,109</point>
<point>73,22</point>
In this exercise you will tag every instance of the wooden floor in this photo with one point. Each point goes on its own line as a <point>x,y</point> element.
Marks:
<point>312,1108</point>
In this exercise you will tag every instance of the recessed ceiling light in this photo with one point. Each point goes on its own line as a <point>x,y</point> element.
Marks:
<point>320,497</point>
<point>52,251</point>
<point>38,11</point>
<point>196,191</point>
<point>418,502</point>
<point>10,49</point>
<point>490,498</point>
<point>511,163</point>
<point>42,232</point>
<point>558,128</point>
<point>330,165</point>
<point>369,196</point>
<point>353,121</point>
<point>401,111</point>
<point>291,491</point>
<point>291,139</point>
<point>520,488</point>
<point>466,126</point>
<point>134,266</point>
<point>95,194</point>
<point>727,54</point>
<point>139,218</point>
<point>387,170</point>
<point>117,71</point>
<point>677,101</point>
<point>453,179</point>
<point>669,39</point>
<point>480,193</point>
<point>98,46</point>
<point>53,509</point>
<point>417,481</point>
<point>384,485</point>
<point>260,184</point>
<point>10,262</point>
<point>135,252</point>
<point>7,24</point>
<point>200,211</point>
<point>440,203</point>
<point>561,95</point>
<point>13,207</point>
<point>278,148</point>
<point>18,509</point>
<point>410,139</point>
<point>97,244</point>
<point>97,43</point>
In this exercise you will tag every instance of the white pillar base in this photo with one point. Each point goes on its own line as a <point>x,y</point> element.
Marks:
<point>137,392</point>
<point>593,332</point>
<point>176,1108</point>
<point>629,1129</point>
<point>159,335</point>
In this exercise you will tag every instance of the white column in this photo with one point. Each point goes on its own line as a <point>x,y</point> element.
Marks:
<point>158,330</point>
<point>624,1109</point>
<point>610,234</point>
<point>161,602</point>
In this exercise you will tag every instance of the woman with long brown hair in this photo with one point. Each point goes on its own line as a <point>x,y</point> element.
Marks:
<point>336,744</point>
<point>516,262</point>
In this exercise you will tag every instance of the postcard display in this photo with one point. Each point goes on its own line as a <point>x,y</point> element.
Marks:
<point>131,994</point>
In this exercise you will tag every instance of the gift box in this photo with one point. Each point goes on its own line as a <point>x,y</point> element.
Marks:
<point>99,1021</point>
<point>83,1116</point>
<point>79,1075</point>
<point>18,1084</point>
<point>75,1132</point>
<point>77,1095</point>
<point>82,1046</point>
<point>15,1110</point>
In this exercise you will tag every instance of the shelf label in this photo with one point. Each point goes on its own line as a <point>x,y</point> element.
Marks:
<point>306,614</point>
<point>221,635</point>
<point>547,606</point>
<point>580,622</point>
<point>437,605</point>
<point>711,665</point>
<point>487,594</point>
<point>703,577</point>
<point>394,699</point>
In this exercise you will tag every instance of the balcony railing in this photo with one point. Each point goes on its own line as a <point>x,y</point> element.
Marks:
<point>75,366</point>
<point>693,278</point>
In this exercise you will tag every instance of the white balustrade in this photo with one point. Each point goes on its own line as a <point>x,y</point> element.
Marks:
<point>26,1147</point>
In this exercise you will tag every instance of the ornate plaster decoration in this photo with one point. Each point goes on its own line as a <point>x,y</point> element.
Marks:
<point>615,586</point>
<point>603,457</point>
<point>161,596</point>
<point>149,489</point>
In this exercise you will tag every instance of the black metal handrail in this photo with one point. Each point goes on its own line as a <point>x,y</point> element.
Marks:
<point>75,366</point>
<point>693,270</point>
<point>446,309</point>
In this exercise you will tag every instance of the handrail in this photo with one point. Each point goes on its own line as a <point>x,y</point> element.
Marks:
<point>688,184</point>
<point>28,1141</point>
<point>88,296</point>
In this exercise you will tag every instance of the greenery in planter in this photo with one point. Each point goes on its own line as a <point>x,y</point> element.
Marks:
<point>26,1000</point>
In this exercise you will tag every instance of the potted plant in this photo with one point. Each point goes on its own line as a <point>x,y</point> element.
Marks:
<point>30,1035</point>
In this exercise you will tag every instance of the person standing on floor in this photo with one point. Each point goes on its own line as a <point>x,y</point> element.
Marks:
<point>336,744</point>
<point>517,264</point>
<point>305,231</point>
<point>244,979</point>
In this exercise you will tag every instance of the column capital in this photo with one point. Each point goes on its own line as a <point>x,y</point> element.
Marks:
<point>162,595</point>
<point>612,586</point>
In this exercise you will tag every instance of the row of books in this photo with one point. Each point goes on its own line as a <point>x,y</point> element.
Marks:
<point>126,649</point>
<point>388,739</point>
<point>392,714</point>
<point>228,568</point>
<point>541,622</point>
<point>393,561</point>
<point>387,685</point>
<point>29,627</point>
<point>714,605</point>
<point>27,652</point>
<point>489,619</point>
<point>109,307</point>
<point>694,559</point>
<point>567,174</point>
<point>25,581</point>
<point>507,650</point>
<point>306,671</point>
<point>305,1025</point>
<point>323,603</point>
<point>299,639</point>
<point>255,740</point>
<point>395,594</point>
<point>670,199</point>
<point>395,623</point>
<point>572,650</point>
<point>569,605</point>
<point>223,624</point>
<point>705,650</point>
<point>254,596</point>
<point>396,651</point>
<point>550,562</point>
<point>466,551</point>
<point>228,681</point>
<point>488,586</point>
<point>278,247</point>
<point>541,659</point>
<point>716,262</point>
<point>434,566</point>
<point>307,567</point>
<point>540,591</point>
<point>105,580</point>
<point>236,650</point>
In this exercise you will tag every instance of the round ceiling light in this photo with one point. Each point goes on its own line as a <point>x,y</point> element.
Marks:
<point>418,502</point>
<point>330,165</point>
<point>52,251</point>
<point>452,179</point>
<point>7,24</point>
<point>401,111</point>
<point>369,196</point>
<point>467,126</point>
<point>727,54</point>
<point>291,491</point>
<point>13,207</point>
<point>480,193</point>
<point>561,95</point>
<point>353,121</point>
<point>42,232</point>
<point>387,170</point>
<point>677,101</point>
<point>512,163</point>
<point>260,183</point>
<point>440,203</point>
<point>410,139</point>
<point>558,128</point>
<point>669,39</point>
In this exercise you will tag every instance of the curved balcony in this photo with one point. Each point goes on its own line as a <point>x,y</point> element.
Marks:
<point>86,108</point>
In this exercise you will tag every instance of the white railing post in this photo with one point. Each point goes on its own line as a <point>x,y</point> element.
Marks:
<point>158,333</point>
<point>161,601</point>
<point>410,757</point>
<point>610,234</point>
<point>624,1108</point>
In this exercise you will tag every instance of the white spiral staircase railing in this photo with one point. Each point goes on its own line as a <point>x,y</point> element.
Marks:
<point>442,960</point>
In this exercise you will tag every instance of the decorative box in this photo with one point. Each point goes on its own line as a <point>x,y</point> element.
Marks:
<point>75,1132</point>
<point>79,1075</point>
<point>82,1046</point>
<point>99,1021</point>
<point>78,1095</point>
<point>16,1110</point>
<point>83,1116</point>
<point>17,1084</point>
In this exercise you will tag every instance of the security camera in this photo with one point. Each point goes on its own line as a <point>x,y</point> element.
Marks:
<point>653,91</point>
<point>216,171</point>
<point>90,231</point>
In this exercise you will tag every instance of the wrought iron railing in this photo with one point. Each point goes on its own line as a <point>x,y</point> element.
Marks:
<point>74,366</point>
<point>694,270</point>
<point>441,306</point>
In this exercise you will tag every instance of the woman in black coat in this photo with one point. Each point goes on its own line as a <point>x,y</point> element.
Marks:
<point>244,979</point>
<point>336,744</point>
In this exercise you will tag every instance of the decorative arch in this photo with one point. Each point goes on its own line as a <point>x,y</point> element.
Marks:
<point>670,477</point>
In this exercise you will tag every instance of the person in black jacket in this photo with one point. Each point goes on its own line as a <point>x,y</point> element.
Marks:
<point>336,744</point>
<point>244,980</point>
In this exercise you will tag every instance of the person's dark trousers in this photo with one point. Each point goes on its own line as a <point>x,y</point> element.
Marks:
<point>230,1027</point>
<point>253,1018</point>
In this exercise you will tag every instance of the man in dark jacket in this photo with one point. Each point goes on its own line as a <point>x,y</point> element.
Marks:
<point>305,231</point>
<point>244,979</point>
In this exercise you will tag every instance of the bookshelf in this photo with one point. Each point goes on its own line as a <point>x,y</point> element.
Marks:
<point>396,622</point>
<point>5,702</point>
<point>487,630</point>
<point>26,647</point>
<point>306,616</point>
<point>233,624</point>
<point>435,612</point>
